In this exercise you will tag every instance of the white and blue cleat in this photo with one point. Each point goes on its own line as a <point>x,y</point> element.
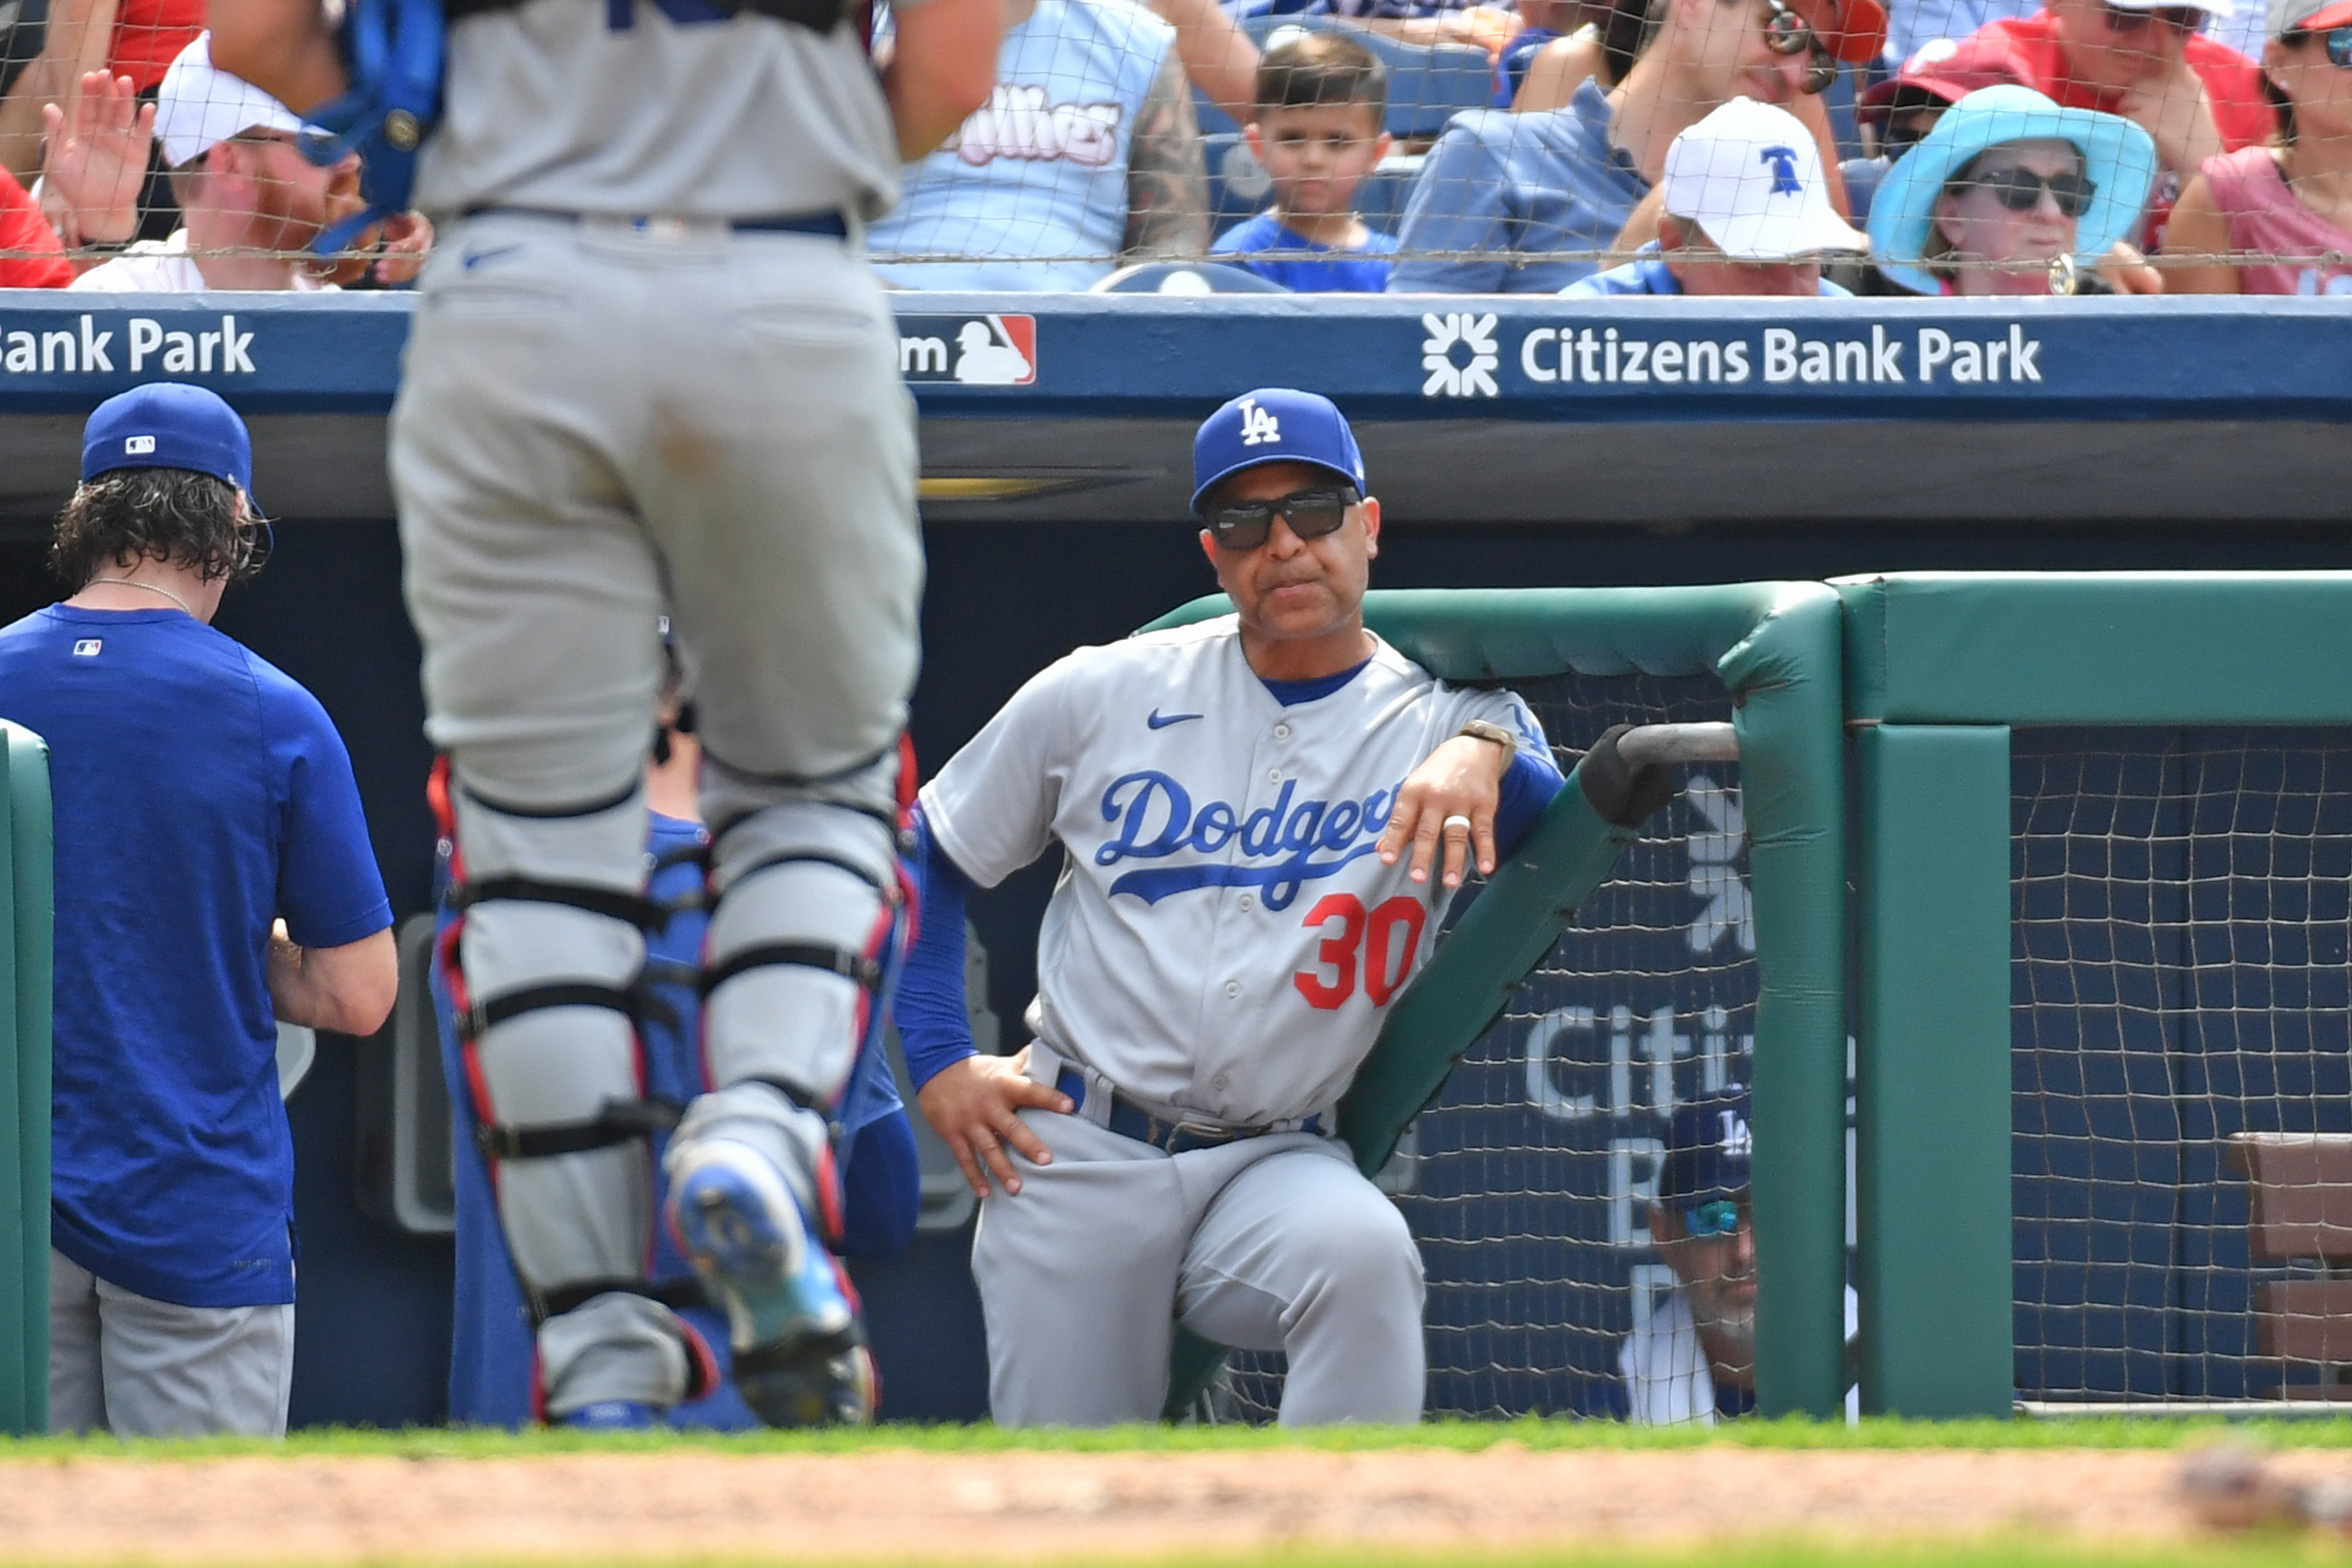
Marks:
<point>801,1358</point>
<point>612,1415</point>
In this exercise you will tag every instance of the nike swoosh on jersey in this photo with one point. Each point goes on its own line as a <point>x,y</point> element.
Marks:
<point>1161,721</point>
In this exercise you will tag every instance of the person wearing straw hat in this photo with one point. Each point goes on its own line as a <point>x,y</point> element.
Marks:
<point>2275,219</point>
<point>1744,211</point>
<point>2150,61</point>
<point>2010,194</point>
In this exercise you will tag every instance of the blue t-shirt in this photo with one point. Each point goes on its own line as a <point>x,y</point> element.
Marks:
<point>1648,274</point>
<point>1345,272</point>
<point>199,793</point>
<point>1498,182</point>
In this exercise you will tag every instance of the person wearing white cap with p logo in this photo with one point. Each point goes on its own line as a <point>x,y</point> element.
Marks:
<point>1745,212</point>
<point>253,202</point>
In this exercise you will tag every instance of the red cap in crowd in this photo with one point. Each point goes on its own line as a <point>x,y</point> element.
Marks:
<point>1854,31</point>
<point>1946,70</point>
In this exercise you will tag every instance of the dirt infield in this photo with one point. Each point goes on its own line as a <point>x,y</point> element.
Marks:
<point>1033,1506</point>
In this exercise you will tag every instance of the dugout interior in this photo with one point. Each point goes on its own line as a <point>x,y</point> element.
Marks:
<point>2173,435</point>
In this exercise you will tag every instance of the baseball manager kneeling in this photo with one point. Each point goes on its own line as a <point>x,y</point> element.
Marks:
<point>1262,818</point>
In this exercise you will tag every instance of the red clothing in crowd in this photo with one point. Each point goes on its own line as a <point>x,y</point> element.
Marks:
<point>2025,50</point>
<point>30,254</point>
<point>2029,50</point>
<point>149,35</point>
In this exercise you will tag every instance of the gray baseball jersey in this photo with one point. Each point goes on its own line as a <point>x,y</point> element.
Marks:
<point>1224,939</point>
<point>658,106</point>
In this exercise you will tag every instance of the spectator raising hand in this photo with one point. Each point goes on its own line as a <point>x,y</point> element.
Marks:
<point>96,162</point>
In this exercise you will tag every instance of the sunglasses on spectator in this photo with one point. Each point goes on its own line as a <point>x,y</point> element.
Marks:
<point>2020,191</point>
<point>1719,1218</point>
<point>1785,32</point>
<point>2179,18</point>
<point>2339,40</point>
<point>1312,513</point>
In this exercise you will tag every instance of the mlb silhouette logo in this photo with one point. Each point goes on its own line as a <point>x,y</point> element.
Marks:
<point>137,446</point>
<point>972,350</point>
<point>87,648</point>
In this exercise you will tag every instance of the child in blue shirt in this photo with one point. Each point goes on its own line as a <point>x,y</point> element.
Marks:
<point>1321,99</point>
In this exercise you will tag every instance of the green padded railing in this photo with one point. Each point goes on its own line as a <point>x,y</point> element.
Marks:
<point>1777,649</point>
<point>26,924</point>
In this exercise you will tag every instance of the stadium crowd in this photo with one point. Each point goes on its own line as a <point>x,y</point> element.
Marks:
<point>1410,146</point>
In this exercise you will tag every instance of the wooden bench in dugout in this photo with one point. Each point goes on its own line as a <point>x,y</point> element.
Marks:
<point>2299,1211</point>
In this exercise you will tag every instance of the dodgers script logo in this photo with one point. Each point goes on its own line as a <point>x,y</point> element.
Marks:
<point>1156,820</point>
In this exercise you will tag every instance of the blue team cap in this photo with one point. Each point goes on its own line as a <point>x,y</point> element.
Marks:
<point>168,424</point>
<point>1707,1150</point>
<point>1274,425</point>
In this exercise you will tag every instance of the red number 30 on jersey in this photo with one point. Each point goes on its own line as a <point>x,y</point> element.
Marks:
<point>1379,945</point>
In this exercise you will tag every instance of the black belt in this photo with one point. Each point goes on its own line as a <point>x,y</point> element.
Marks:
<point>1129,1119</point>
<point>828,225</point>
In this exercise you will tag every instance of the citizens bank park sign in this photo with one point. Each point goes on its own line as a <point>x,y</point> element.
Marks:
<point>1115,356</point>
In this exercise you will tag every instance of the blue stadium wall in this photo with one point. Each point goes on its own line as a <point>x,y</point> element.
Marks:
<point>1512,443</point>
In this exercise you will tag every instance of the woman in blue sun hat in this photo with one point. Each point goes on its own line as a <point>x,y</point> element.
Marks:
<point>2009,195</point>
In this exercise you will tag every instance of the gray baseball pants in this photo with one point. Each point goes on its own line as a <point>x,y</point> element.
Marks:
<point>598,425</point>
<point>125,1363</point>
<point>1271,1243</point>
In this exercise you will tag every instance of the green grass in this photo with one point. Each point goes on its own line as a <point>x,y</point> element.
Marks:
<point>1468,1436</point>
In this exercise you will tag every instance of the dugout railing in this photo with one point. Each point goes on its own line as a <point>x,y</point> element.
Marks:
<point>2105,838</point>
<point>26,917</point>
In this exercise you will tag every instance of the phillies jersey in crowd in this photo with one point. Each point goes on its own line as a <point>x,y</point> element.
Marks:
<point>1223,935</point>
<point>1041,171</point>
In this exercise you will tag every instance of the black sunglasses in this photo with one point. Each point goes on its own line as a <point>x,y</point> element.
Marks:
<point>1312,513</point>
<point>2020,191</point>
<point>1785,32</point>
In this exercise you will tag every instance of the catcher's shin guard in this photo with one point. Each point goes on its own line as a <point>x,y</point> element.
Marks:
<point>545,964</point>
<point>810,916</point>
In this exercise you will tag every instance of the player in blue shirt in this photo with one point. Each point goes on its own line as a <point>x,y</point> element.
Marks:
<point>201,798</point>
<point>1321,98</point>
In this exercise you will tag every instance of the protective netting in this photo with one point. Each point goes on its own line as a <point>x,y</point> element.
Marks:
<point>1527,1184</point>
<point>2182,969</point>
<point>1424,146</point>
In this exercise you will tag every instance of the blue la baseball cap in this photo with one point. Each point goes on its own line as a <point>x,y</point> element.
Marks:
<point>1707,1150</point>
<point>1274,425</point>
<point>168,424</point>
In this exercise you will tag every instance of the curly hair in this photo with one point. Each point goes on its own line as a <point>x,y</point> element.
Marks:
<point>173,515</point>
